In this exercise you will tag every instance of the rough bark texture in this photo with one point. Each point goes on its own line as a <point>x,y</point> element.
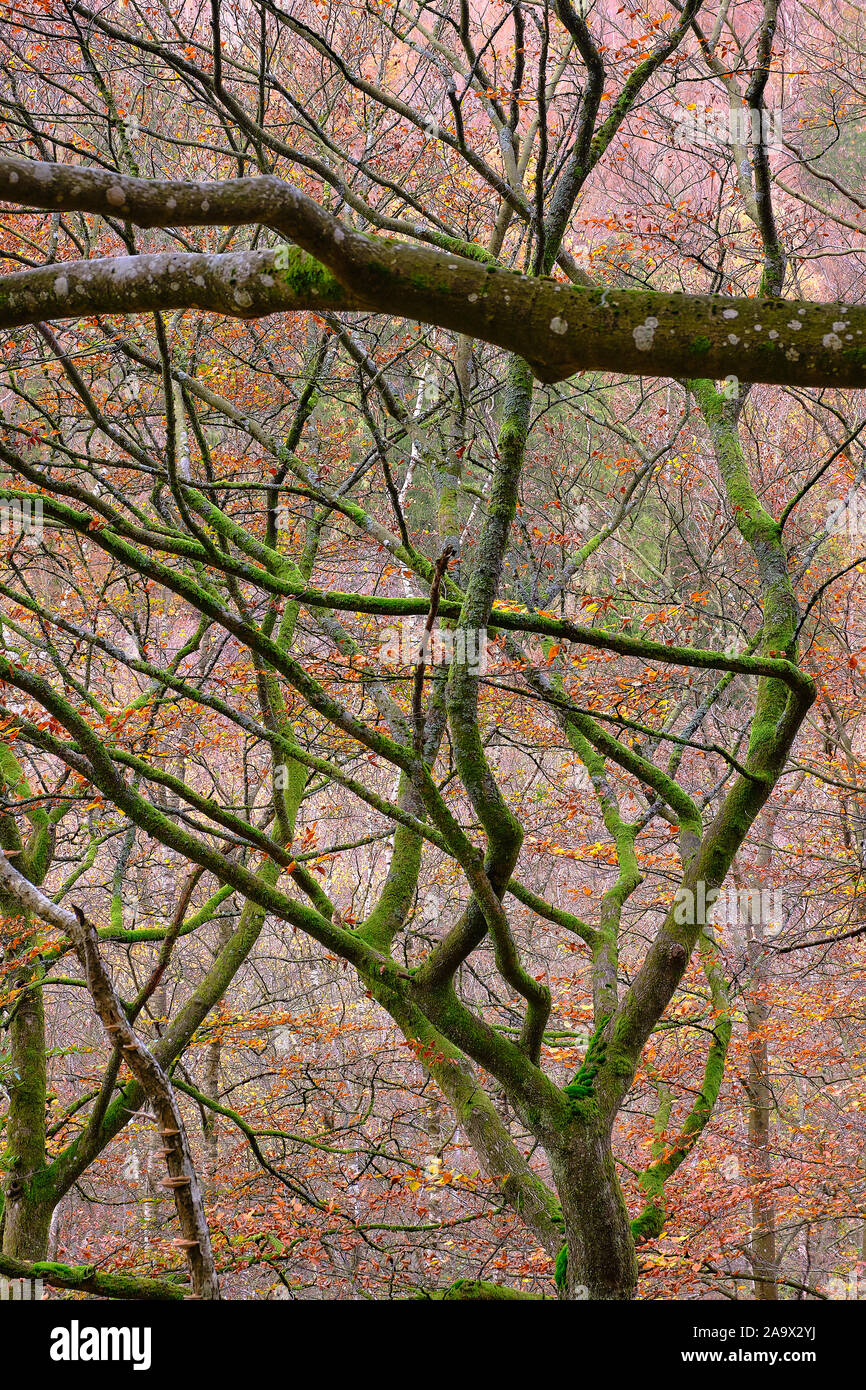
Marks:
<point>558,328</point>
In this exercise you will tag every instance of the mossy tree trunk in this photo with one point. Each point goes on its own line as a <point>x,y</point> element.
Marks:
<point>599,1260</point>
<point>27,1208</point>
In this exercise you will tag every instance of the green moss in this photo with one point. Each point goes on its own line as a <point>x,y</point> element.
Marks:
<point>561,1268</point>
<point>469,250</point>
<point>700,345</point>
<point>304,273</point>
<point>649,1225</point>
<point>88,1279</point>
<point>479,1290</point>
<point>580,1088</point>
<point>619,1055</point>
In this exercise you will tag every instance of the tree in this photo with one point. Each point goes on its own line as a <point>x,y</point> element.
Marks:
<point>234,508</point>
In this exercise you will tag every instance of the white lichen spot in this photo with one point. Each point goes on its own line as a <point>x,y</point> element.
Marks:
<point>199,280</point>
<point>61,286</point>
<point>839,325</point>
<point>772,333</point>
<point>644,333</point>
<point>115,196</point>
<point>267,280</point>
<point>733,339</point>
<point>171,204</point>
<point>242,298</point>
<point>473,298</point>
<point>205,207</point>
<point>558,325</point>
<point>792,355</point>
<point>730,314</point>
<point>832,341</point>
<point>13,177</point>
<point>796,325</point>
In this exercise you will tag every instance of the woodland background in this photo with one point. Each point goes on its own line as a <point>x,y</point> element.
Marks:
<point>332,1164</point>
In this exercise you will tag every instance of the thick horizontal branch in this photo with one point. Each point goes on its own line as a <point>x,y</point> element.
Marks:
<point>238,284</point>
<point>88,1279</point>
<point>559,329</point>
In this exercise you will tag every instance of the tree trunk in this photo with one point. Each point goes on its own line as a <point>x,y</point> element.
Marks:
<point>760,1127</point>
<point>26,1213</point>
<point>601,1261</point>
<point>759,1084</point>
<point>27,1225</point>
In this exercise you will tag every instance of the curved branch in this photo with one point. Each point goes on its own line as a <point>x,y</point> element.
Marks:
<point>559,329</point>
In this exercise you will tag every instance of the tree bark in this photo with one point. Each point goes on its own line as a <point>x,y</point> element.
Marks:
<point>601,1262</point>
